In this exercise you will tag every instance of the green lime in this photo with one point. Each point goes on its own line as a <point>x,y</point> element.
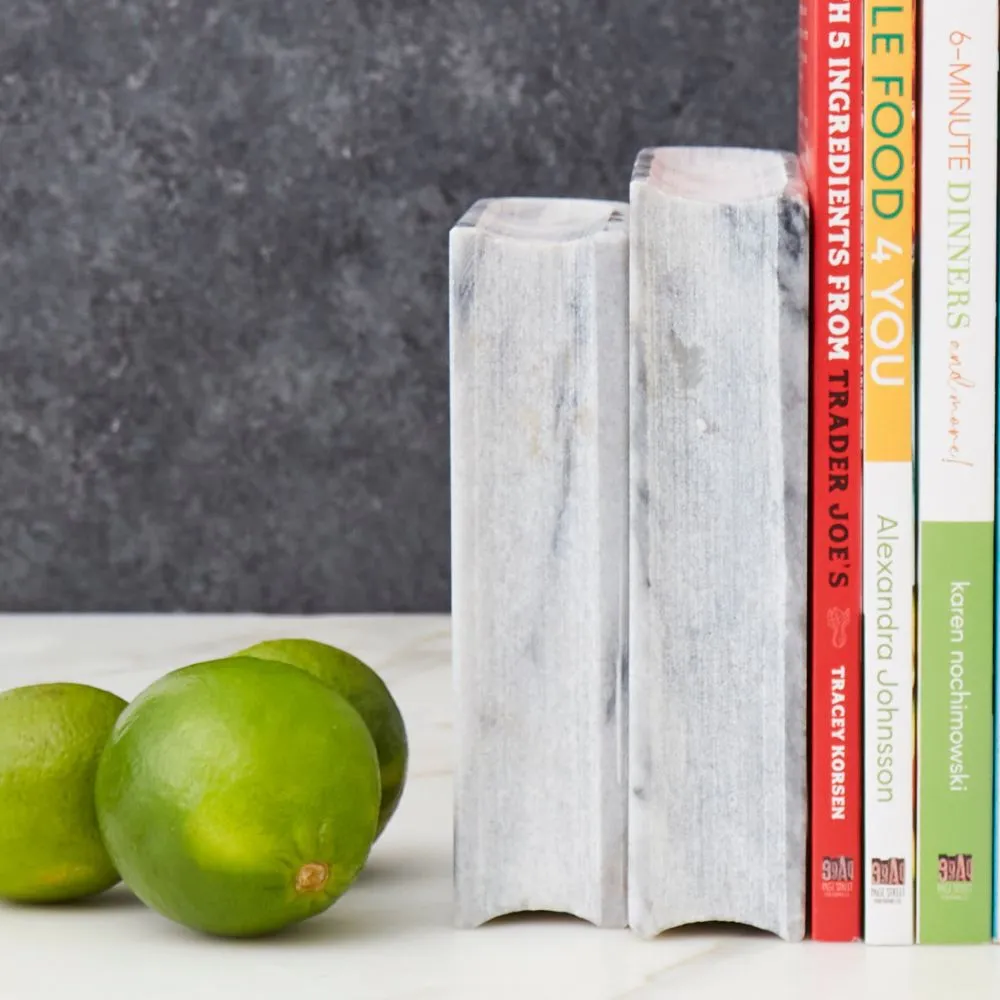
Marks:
<point>238,801</point>
<point>367,692</point>
<point>51,737</point>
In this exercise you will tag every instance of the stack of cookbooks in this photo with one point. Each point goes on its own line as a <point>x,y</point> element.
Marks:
<point>899,148</point>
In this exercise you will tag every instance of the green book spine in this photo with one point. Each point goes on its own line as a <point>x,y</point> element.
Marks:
<point>955,733</point>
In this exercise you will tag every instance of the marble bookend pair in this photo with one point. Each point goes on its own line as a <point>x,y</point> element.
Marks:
<point>629,488</point>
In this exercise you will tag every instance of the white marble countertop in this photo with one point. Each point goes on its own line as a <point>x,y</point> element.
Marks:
<point>390,937</point>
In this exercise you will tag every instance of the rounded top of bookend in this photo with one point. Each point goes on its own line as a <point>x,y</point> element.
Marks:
<point>720,173</point>
<point>554,220</point>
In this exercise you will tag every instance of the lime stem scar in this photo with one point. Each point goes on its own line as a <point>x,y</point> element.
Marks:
<point>312,877</point>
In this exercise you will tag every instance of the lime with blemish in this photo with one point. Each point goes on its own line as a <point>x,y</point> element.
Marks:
<point>239,796</point>
<point>51,738</point>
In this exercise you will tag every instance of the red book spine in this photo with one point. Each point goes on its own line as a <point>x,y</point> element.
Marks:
<point>832,151</point>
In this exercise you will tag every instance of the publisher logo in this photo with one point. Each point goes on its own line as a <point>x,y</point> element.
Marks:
<point>954,867</point>
<point>954,875</point>
<point>888,871</point>
<point>838,869</point>
<point>888,879</point>
<point>837,876</point>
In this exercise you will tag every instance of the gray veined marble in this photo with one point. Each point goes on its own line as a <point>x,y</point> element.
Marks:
<point>539,422</point>
<point>718,494</point>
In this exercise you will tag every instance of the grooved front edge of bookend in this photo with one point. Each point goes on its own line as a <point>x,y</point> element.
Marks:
<point>718,493</point>
<point>539,423</point>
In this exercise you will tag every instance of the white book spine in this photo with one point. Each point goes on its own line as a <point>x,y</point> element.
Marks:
<point>956,468</point>
<point>888,578</point>
<point>888,487</point>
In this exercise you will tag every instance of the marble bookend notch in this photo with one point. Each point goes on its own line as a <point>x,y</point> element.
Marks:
<point>539,424</point>
<point>718,496</point>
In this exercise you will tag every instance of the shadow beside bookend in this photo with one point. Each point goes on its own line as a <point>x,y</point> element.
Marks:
<point>718,506</point>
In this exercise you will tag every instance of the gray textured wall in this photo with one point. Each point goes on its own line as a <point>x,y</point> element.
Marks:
<point>223,311</point>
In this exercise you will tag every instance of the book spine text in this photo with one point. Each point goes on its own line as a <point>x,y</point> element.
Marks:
<point>888,487</point>
<point>956,470</point>
<point>832,146</point>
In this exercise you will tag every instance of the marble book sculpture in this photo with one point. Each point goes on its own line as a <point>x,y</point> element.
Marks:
<point>718,506</point>
<point>539,423</point>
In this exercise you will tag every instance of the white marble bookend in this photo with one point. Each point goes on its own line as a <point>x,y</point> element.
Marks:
<point>539,423</point>
<point>718,495</point>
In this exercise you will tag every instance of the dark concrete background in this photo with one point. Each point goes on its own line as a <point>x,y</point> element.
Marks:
<point>223,310</point>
